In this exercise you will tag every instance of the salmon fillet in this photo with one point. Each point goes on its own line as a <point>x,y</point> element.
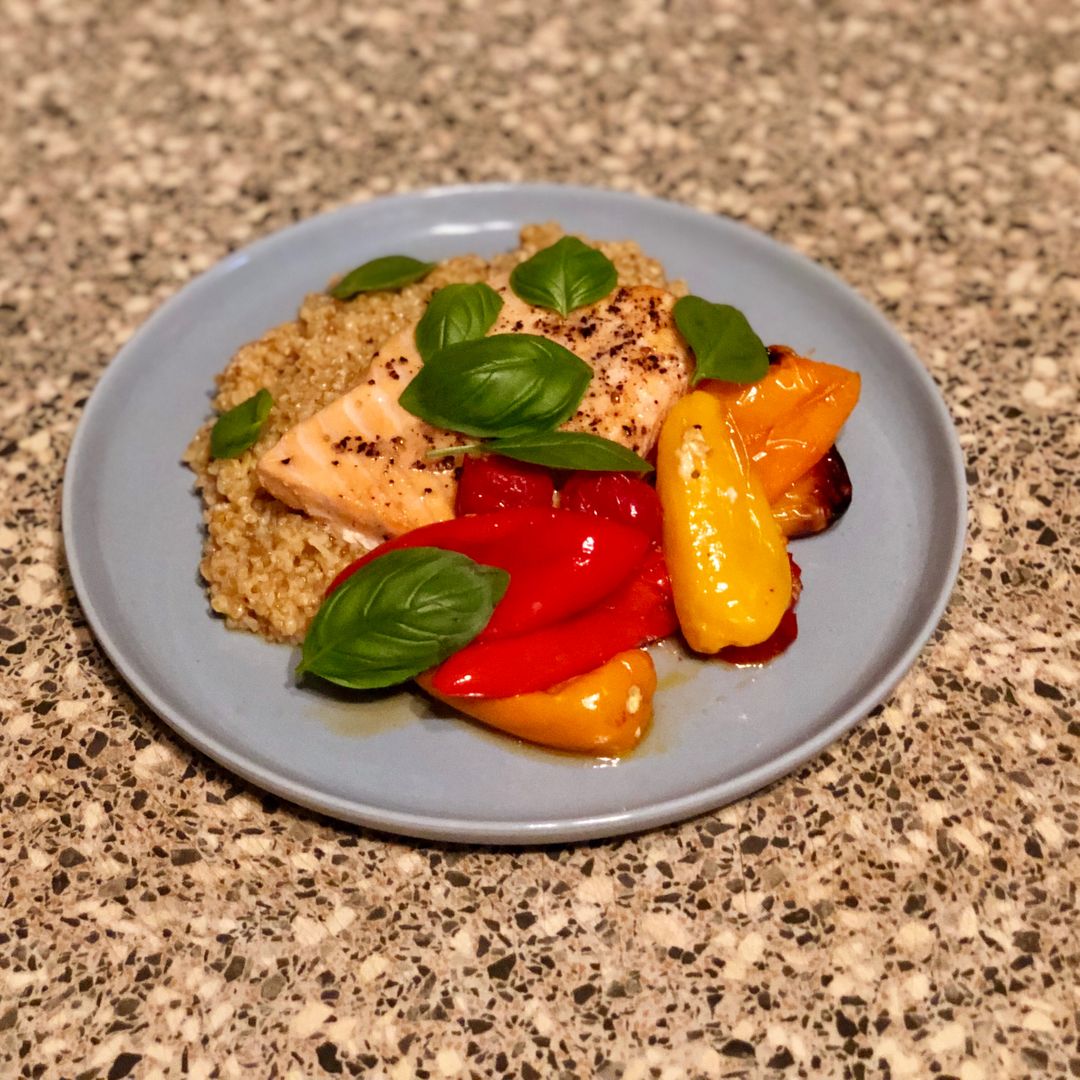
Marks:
<point>360,466</point>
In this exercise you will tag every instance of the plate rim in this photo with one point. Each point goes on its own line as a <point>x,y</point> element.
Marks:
<point>477,831</point>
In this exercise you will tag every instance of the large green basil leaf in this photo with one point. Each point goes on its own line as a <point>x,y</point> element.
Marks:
<point>725,347</point>
<point>388,272</point>
<point>507,384</point>
<point>399,615</point>
<point>569,450</point>
<point>239,429</point>
<point>457,313</point>
<point>566,276</point>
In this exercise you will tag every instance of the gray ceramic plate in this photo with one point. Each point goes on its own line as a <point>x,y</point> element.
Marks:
<point>875,586</point>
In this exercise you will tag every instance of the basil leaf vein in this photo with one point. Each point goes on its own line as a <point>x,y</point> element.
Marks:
<point>387,272</point>
<point>239,429</point>
<point>399,615</point>
<point>457,313</point>
<point>507,384</point>
<point>725,346</point>
<point>569,450</point>
<point>565,276</point>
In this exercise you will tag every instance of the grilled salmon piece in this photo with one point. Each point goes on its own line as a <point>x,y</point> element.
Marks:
<point>640,364</point>
<point>359,464</point>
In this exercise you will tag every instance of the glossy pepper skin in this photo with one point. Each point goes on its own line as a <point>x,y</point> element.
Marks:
<point>789,418</point>
<point>489,482</point>
<point>639,611</point>
<point>780,639</point>
<point>618,496</point>
<point>605,711</point>
<point>560,562</point>
<point>817,500</point>
<point>729,568</point>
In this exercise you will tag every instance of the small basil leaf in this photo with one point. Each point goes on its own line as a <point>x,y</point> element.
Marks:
<point>507,384</point>
<point>457,313</point>
<point>565,276</point>
<point>570,450</point>
<point>389,272</point>
<point>400,614</point>
<point>239,429</point>
<point>725,347</point>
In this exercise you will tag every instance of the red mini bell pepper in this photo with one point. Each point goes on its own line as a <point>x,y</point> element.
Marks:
<point>641,610</point>
<point>618,496</point>
<point>489,482</point>
<point>560,562</point>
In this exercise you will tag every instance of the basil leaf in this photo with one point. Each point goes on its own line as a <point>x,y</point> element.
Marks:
<point>389,272</point>
<point>398,615</point>
<point>569,450</point>
<point>725,347</point>
<point>507,384</point>
<point>239,429</point>
<point>565,276</point>
<point>457,313</point>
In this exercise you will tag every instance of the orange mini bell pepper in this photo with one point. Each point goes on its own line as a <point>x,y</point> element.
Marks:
<point>726,556</point>
<point>816,500</point>
<point>791,417</point>
<point>604,711</point>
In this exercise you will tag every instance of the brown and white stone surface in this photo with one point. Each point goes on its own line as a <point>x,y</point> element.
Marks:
<point>903,907</point>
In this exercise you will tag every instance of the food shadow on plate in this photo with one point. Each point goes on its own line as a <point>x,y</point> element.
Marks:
<point>332,691</point>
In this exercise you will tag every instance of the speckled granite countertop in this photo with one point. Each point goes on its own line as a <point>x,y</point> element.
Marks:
<point>905,906</point>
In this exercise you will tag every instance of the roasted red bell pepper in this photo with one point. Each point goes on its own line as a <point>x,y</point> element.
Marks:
<point>560,562</point>
<point>639,611</point>
<point>489,482</point>
<point>618,496</point>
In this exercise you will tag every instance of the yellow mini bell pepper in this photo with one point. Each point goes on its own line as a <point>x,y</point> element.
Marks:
<point>729,568</point>
<point>604,711</point>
